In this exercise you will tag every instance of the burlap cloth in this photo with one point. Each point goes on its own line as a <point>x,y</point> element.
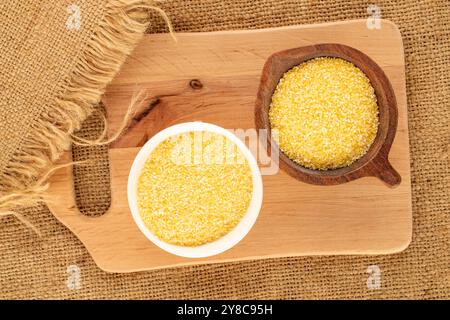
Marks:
<point>32,267</point>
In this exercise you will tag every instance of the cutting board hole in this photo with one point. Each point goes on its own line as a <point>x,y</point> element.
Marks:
<point>92,180</point>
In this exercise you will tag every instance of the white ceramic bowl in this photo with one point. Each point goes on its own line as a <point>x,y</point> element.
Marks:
<point>232,237</point>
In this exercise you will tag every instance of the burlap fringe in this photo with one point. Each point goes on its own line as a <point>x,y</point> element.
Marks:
<point>25,179</point>
<point>136,100</point>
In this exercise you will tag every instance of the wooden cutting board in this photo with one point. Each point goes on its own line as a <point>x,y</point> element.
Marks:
<point>361,217</point>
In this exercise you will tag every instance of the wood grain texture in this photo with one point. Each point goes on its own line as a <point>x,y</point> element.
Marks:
<point>375,162</point>
<point>363,216</point>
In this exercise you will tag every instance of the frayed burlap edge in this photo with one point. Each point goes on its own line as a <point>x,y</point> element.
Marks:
<point>24,179</point>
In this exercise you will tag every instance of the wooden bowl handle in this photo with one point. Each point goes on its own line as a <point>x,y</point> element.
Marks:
<point>383,170</point>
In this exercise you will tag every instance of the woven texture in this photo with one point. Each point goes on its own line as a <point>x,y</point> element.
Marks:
<point>38,53</point>
<point>31,267</point>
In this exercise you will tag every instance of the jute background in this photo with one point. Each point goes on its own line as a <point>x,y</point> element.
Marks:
<point>33,267</point>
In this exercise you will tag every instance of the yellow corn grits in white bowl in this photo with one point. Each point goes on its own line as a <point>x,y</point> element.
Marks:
<point>195,190</point>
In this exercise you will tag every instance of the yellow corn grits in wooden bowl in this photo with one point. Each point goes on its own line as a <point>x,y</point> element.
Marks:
<point>331,111</point>
<point>194,191</point>
<point>326,114</point>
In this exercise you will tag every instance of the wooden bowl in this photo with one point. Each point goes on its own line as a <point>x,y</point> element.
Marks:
<point>375,162</point>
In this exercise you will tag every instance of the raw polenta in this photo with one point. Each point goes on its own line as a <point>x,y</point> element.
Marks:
<point>194,188</point>
<point>325,112</point>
